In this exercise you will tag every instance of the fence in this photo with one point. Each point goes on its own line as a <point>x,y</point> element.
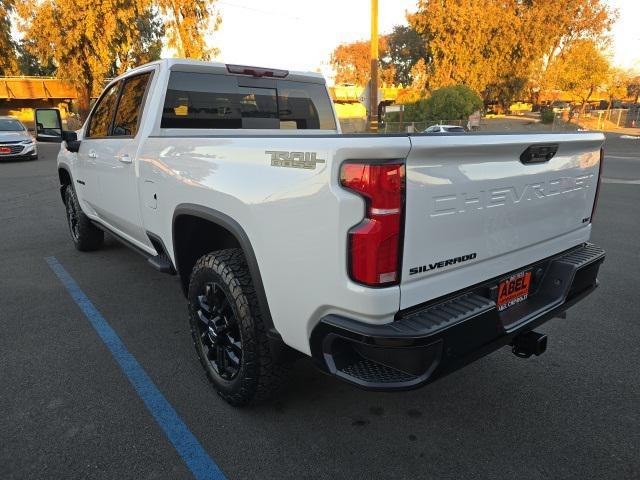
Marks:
<point>612,118</point>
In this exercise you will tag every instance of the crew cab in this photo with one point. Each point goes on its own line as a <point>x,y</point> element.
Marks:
<point>390,259</point>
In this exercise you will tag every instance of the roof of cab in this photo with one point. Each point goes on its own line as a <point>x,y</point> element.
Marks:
<point>200,66</point>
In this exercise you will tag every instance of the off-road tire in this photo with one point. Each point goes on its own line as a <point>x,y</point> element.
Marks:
<point>259,375</point>
<point>85,235</point>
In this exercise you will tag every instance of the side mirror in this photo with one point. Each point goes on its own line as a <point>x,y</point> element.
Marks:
<point>48,125</point>
<point>71,141</point>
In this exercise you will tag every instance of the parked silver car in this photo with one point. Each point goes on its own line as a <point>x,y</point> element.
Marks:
<point>445,129</point>
<point>15,141</point>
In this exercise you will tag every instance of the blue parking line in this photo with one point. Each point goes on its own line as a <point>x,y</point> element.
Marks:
<point>185,443</point>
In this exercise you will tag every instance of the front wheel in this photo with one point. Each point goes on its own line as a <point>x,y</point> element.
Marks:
<point>85,235</point>
<point>227,329</point>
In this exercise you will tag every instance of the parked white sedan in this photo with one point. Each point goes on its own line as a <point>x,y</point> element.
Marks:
<point>15,141</point>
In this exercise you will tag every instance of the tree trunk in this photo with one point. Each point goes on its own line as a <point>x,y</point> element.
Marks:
<point>84,101</point>
<point>607,114</point>
<point>584,102</point>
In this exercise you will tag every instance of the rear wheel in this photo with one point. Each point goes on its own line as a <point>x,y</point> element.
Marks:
<point>228,331</point>
<point>85,235</point>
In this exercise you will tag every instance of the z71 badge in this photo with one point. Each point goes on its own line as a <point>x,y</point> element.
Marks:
<point>307,160</point>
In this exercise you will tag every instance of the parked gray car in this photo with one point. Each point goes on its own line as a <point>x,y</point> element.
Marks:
<point>16,143</point>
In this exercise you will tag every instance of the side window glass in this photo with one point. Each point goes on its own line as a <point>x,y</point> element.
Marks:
<point>103,113</point>
<point>129,107</point>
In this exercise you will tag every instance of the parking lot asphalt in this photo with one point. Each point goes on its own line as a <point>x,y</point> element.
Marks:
<point>67,410</point>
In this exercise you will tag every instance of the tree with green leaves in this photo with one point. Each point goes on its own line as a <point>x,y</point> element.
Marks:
<point>186,23</point>
<point>140,45</point>
<point>80,37</point>
<point>405,48</point>
<point>8,60</point>
<point>498,47</point>
<point>456,102</point>
<point>633,87</point>
<point>581,69</point>
<point>352,63</point>
<point>88,41</point>
<point>615,85</point>
<point>28,64</point>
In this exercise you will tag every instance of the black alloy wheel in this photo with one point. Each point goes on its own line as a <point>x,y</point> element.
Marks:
<point>219,331</point>
<point>72,218</point>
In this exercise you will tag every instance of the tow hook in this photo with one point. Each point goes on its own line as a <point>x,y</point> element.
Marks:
<point>529,343</point>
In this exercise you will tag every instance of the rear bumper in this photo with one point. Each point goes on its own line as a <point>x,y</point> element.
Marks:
<point>434,339</point>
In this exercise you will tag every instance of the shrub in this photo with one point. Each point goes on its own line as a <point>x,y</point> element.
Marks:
<point>547,116</point>
<point>452,103</point>
<point>448,103</point>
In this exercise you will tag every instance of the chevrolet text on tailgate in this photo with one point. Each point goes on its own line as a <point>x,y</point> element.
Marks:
<point>392,260</point>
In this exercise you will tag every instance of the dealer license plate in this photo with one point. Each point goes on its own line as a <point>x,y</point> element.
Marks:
<point>513,290</point>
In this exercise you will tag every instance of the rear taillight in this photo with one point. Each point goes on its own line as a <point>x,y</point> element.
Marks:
<point>374,244</point>
<point>595,201</point>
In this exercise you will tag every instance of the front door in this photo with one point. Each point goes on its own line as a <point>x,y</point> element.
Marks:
<point>116,166</point>
<point>95,136</point>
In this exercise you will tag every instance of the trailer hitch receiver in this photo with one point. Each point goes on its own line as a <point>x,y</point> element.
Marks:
<point>529,343</point>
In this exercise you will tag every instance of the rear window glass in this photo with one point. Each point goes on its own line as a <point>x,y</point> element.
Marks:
<point>201,100</point>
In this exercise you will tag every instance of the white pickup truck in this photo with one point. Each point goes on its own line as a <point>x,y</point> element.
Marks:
<point>392,260</point>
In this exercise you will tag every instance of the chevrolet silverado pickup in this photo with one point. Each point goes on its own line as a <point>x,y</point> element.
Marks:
<point>391,260</point>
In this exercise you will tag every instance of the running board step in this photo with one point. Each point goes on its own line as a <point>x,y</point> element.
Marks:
<point>162,263</point>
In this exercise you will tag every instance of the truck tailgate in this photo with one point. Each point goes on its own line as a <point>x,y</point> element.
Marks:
<point>476,210</point>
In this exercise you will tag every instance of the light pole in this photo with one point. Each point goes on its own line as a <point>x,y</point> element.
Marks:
<point>373,84</point>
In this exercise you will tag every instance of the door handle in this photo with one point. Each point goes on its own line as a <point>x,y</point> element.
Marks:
<point>92,154</point>
<point>124,158</point>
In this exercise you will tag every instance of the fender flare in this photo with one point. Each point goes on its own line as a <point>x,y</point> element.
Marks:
<point>228,223</point>
<point>64,167</point>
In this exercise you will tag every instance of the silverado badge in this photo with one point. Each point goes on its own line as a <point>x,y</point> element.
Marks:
<point>307,160</point>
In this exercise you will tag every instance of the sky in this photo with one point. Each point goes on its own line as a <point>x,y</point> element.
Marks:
<point>300,34</point>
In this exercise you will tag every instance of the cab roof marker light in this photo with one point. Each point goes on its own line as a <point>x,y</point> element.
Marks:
<point>256,71</point>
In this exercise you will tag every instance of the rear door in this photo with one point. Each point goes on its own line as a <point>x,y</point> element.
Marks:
<point>477,208</point>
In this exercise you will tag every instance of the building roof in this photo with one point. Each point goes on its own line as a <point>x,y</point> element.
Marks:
<point>35,88</point>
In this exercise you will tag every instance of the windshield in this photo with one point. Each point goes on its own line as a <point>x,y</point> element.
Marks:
<point>10,125</point>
